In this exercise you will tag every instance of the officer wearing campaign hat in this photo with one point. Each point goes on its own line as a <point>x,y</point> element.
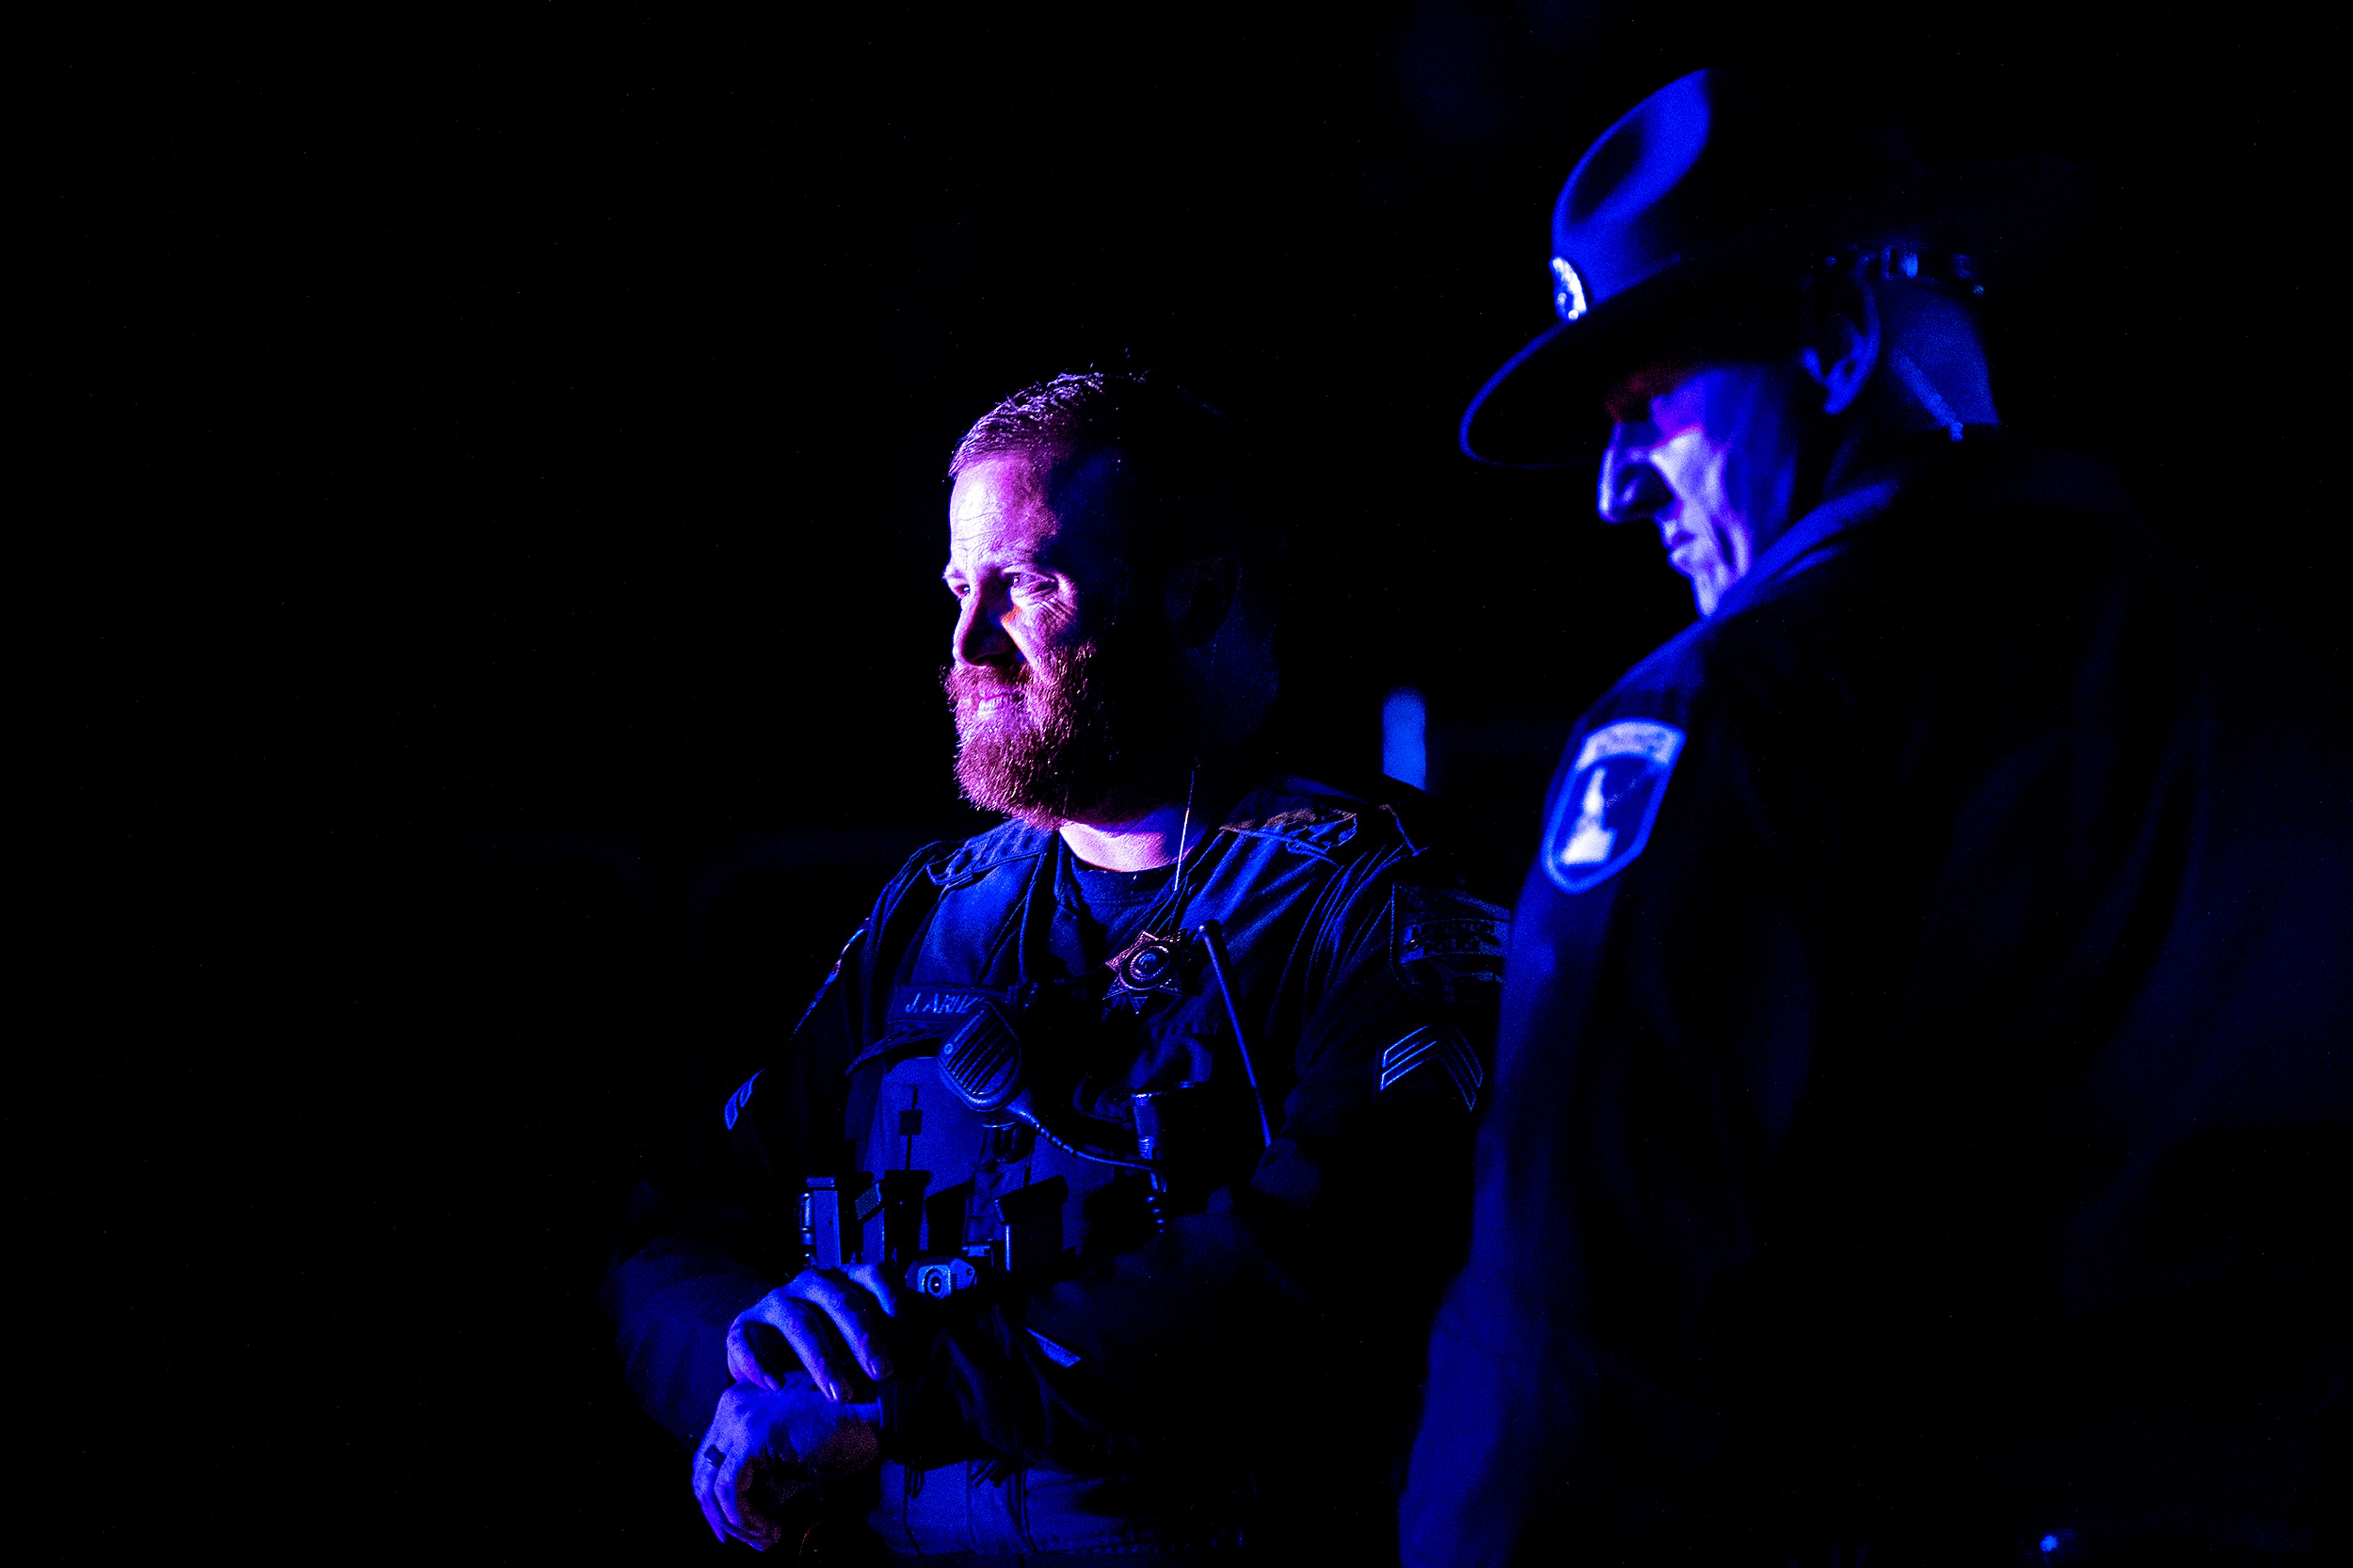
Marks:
<point>1921,1111</point>
<point>1717,181</point>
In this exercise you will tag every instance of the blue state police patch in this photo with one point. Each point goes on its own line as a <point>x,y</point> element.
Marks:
<point>1602,816</point>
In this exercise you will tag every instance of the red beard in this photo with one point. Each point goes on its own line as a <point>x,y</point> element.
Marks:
<point>1085,737</point>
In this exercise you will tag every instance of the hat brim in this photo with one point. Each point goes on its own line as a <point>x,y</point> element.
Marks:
<point>2011,217</point>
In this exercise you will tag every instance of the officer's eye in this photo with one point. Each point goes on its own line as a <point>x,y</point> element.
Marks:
<point>1629,400</point>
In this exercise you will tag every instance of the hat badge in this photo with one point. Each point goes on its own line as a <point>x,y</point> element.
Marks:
<point>1568,298</point>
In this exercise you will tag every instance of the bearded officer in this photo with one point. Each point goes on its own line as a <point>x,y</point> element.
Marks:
<point>1919,1132</point>
<point>1129,1140</point>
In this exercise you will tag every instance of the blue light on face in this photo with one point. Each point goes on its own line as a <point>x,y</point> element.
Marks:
<point>2057,1542</point>
<point>2049,1543</point>
<point>1405,744</point>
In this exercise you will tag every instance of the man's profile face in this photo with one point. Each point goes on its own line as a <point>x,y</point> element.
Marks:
<point>1052,697</point>
<point>1021,580</point>
<point>1708,454</point>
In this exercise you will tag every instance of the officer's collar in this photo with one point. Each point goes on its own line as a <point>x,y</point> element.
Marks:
<point>1818,536</point>
<point>1009,840</point>
<point>1226,793</point>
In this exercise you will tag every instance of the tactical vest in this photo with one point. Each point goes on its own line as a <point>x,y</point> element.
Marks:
<point>1123,1066</point>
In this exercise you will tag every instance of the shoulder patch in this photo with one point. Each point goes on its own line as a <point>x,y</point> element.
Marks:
<point>1602,817</point>
<point>1447,946</point>
<point>738,1100</point>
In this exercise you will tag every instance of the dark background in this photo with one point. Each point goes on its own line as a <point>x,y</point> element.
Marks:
<point>488,629</point>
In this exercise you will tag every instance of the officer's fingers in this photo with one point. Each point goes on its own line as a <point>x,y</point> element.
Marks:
<point>745,1363</point>
<point>808,1332</point>
<point>727,1490</point>
<point>710,1506</point>
<point>706,1471</point>
<point>758,1353</point>
<point>821,1348</point>
<point>719,1465</point>
<point>876,1281</point>
<point>855,1313</point>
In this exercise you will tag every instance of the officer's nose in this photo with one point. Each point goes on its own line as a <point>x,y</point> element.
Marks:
<point>979,634</point>
<point>1632,489</point>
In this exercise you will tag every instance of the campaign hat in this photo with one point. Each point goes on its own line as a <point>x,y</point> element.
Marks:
<point>1725,176</point>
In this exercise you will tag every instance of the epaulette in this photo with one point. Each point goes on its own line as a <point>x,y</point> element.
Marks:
<point>1323,829</point>
<point>1317,819</point>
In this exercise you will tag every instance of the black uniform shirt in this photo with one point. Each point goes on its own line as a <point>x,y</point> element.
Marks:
<point>1921,1098</point>
<point>1247,1369</point>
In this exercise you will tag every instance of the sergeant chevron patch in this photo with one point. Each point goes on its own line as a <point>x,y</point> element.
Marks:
<point>1060,1355</point>
<point>738,1100</point>
<point>1443,1045</point>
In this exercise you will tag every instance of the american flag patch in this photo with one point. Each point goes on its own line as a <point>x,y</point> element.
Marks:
<point>1436,1042</point>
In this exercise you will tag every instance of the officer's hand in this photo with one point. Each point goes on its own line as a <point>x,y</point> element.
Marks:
<point>830,1319</point>
<point>765,1446</point>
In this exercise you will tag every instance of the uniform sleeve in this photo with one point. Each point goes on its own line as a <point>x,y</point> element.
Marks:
<point>709,1231</point>
<point>1290,1312</point>
<point>1658,1025</point>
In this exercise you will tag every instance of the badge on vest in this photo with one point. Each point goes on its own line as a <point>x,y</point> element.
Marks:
<point>1603,816</point>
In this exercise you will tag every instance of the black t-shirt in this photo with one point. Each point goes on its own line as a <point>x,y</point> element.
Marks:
<point>1119,903</point>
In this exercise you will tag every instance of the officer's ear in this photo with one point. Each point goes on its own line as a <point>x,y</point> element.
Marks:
<point>1198,596</point>
<point>1842,339</point>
